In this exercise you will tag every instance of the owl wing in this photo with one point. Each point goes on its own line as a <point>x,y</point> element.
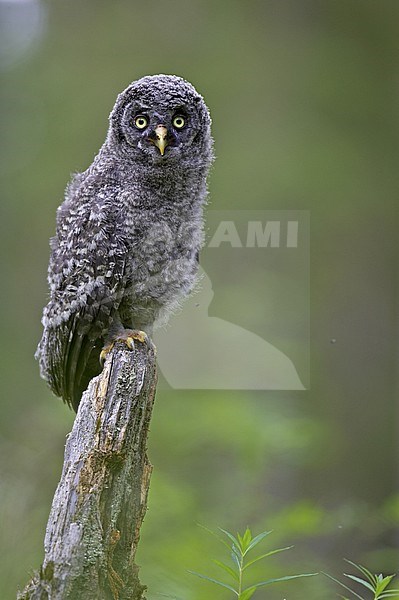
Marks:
<point>69,351</point>
<point>87,282</point>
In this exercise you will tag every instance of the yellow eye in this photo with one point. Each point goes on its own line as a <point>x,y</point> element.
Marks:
<point>178,122</point>
<point>141,122</point>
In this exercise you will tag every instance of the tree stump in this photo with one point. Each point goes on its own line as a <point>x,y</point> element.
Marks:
<point>100,502</point>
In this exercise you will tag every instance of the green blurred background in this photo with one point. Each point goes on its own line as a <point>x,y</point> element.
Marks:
<point>304,100</point>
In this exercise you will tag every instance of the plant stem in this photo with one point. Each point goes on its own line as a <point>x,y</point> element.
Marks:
<point>240,575</point>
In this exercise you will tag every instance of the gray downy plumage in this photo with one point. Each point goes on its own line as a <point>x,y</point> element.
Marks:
<point>129,231</point>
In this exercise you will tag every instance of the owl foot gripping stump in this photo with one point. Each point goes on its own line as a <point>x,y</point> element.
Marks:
<point>129,336</point>
<point>99,505</point>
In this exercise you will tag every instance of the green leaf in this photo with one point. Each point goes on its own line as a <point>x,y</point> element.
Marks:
<point>231,537</point>
<point>361,581</point>
<point>247,594</point>
<point>220,539</point>
<point>372,578</point>
<point>256,540</point>
<point>246,539</point>
<point>236,559</point>
<point>383,583</point>
<point>251,562</point>
<point>286,578</point>
<point>240,541</point>
<point>228,569</point>
<point>342,585</point>
<point>225,585</point>
<point>236,550</point>
<point>389,594</point>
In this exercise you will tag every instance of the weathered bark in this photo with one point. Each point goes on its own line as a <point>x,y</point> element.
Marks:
<point>99,505</point>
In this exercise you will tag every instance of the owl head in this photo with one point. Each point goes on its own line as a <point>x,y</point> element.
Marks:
<point>161,120</point>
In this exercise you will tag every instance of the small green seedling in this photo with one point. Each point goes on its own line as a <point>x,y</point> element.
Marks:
<point>376,584</point>
<point>239,548</point>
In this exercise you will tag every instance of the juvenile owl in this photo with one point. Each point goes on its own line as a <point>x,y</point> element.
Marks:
<point>128,233</point>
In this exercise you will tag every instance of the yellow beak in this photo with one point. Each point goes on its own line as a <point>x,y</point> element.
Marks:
<point>161,134</point>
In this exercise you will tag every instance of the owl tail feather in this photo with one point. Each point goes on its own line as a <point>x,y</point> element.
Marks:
<point>81,365</point>
<point>69,359</point>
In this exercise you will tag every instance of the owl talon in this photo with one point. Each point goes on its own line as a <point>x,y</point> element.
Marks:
<point>138,335</point>
<point>129,338</point>
<point>104,353</point>
<point>130,343</point>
